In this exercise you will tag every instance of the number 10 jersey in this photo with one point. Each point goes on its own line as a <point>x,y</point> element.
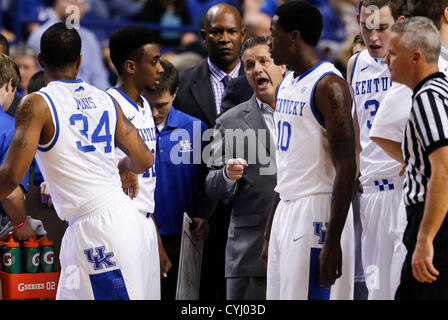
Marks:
<point>79,164</point>
<point>304,166</point>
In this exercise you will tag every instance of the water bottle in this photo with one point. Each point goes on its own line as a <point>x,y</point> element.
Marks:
<point>11,260</point>
<point>31,253</point>
<point>46,255</point>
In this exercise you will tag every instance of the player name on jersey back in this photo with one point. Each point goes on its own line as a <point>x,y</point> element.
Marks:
<point>85,103</point>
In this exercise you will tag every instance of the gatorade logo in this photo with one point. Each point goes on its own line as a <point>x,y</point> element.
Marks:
<point>35,260</point>
<point>7,260</point>
<point>48,257</point>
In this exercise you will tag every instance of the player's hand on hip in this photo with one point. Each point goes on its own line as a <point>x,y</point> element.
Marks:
<point>45,195</point>
<point>422,267</point>
<point>235,168</point>
<point>129,183</point>
<point>202,230</point>
<point>330,264</point>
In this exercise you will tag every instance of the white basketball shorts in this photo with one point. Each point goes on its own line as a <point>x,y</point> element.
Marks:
<point>297,237</point>
<point>110,253</point>
<point>383,219</point>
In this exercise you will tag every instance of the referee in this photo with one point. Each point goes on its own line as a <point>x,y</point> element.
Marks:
<point>412,60</point>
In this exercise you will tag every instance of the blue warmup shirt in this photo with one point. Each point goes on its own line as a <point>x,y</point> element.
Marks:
<point>180,171</point>
<point>6,134</point>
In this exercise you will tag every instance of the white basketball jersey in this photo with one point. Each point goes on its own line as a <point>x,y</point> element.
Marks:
<point>303,159</point>
<point>142,119</point>
<point>79,164</point>
<point>370,82</point>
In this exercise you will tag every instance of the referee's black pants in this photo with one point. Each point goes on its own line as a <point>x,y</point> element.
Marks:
<point>410,288</point>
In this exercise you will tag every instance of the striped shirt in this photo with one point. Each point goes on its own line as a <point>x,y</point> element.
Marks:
<point>426,131</point>
<point>216,77</point>
<point>268,115</point>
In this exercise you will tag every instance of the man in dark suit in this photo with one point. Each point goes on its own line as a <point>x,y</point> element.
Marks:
<point>243,169</point>
<point>200,92</point>
<point>201,88</point>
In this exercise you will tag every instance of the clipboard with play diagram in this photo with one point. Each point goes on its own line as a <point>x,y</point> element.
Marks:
<point>190,261</point>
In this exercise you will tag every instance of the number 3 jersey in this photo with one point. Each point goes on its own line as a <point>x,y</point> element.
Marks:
<point>370,81</point>
<point>79,164</point>
<point>303,158</point>
<point>142,119</point>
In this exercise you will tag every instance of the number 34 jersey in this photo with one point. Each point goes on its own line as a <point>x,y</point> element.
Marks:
<point>370,81</point>
<point>79,164</point>
<point>303,158</point>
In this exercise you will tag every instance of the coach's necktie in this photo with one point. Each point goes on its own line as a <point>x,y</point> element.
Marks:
<point>225,81</point>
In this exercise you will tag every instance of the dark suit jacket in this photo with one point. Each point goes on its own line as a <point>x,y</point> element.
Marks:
<point>238,90</point>
<point>195,94</point>
<point>252,195</point>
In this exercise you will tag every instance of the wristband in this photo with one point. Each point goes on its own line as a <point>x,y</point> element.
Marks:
<point>22,224</point>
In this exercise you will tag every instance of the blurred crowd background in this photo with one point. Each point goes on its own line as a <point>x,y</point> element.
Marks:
<point>176,23</point>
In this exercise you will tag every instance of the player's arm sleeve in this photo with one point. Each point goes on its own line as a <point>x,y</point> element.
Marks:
<point>215,185</point>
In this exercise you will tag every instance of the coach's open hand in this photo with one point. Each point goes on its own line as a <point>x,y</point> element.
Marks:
<point>235,168</point>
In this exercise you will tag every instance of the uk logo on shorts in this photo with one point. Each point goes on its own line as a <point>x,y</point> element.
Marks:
<point>318,231</point>
<point>101,259</point>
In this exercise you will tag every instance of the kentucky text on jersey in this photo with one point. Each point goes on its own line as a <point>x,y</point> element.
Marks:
<point>372,85</point>
<point>147,134</point>
<point>85,103</point>
<point>287,106</point>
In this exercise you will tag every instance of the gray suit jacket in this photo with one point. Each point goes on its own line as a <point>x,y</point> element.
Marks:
<point>252,195</point>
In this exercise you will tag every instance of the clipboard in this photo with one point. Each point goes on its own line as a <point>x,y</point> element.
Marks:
<point>190,262</point>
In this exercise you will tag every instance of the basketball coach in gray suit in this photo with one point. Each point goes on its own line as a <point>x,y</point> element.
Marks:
<point>243,169</point>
